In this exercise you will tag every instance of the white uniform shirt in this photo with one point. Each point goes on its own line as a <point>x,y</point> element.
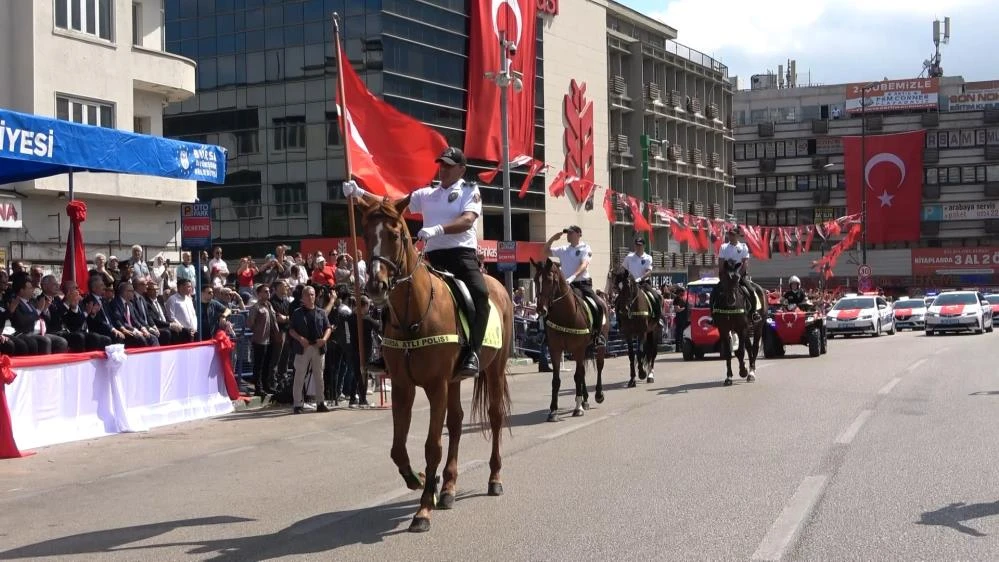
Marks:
<point>571,257</point>
<point>180,309</point>
<point>441,206</point>
<point>733,252</point>
<point>637,265</point>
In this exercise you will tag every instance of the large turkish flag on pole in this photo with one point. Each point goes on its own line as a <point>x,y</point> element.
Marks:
<point>892,182</point>
<point>391,153</point>
<point>518,19</point>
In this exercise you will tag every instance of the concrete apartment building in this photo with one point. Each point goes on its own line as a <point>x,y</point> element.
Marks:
<point>266,88</point>
<point>789,171</point>
<point>100,62</point>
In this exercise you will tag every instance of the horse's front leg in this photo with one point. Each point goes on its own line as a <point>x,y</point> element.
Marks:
<point>631,362</point>
<point>579,377</point>
<point>437,395</point>
<point>754,352</point>
<point>651,350</point>
<point>556,357</point>
<point>455,415</point>
<point>726,351</point>
<point>403,394</point>
<point>741,354</point>
<point>601,353</point>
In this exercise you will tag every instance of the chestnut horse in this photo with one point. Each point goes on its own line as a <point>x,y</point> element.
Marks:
<point>567,328</point>
<point>421,349</point>
<point>636,321</point>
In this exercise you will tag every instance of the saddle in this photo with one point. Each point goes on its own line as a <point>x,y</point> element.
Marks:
<point>591,307</point>
<point>459,292</point>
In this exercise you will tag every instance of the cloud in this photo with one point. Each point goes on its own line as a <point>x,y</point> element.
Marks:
<point>837,37</point>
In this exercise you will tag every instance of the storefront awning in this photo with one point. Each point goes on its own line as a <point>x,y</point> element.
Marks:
<point>34,147</point>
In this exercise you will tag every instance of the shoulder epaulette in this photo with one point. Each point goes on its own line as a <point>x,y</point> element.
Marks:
<point>471,185</point>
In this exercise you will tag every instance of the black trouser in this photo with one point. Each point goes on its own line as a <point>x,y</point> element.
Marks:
<point>43,345</point>
<point>464,265</point>
<point>77,341</point>
<point>262,367</point>
<point>13,346</point>
<point>585,286</point>
<point>97,342</point>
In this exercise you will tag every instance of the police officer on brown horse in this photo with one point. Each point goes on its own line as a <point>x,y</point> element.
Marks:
<point>450,208</point>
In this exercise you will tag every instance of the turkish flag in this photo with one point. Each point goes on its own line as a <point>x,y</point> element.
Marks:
<point>390,152</point>
<point>518,21</point>
<point>892,182</point>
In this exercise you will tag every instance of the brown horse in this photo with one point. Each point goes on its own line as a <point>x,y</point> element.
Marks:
<point>730,313</point>
<point>635,321</point>
<point>421,349</point>
<point>567,328</point>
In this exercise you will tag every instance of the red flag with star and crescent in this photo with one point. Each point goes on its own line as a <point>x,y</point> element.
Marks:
<point>892,182</point>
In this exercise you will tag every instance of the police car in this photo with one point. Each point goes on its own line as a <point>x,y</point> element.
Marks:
<point>958,311</point>
<point>860,315</point>
<point>910,314</point>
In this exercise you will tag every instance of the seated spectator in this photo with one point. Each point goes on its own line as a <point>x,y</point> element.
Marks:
<point>75,323</point>
<point>29,324</point>
<point>98,319</point>
<point>181,313</point>
<point>157,315</point>
<point>124,318</point>
<point>142,316</point>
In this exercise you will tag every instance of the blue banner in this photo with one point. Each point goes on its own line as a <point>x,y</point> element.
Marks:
<point>36,147</point>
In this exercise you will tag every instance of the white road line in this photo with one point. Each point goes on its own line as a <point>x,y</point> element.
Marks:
<point>847,436</point>
<point>304,435</point>
<point>788,523</point>
<point>888,387</point>
<point>128,473</point>
<point>231,451</point>
<point>916,365</point>
<point>577,427</point>
<point>317,523</point>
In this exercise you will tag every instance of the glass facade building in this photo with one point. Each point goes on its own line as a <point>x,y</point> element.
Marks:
<point>266,89</point>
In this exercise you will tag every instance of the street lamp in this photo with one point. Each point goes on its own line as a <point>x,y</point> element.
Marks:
<point>504,79</point>
<point>863,168</point>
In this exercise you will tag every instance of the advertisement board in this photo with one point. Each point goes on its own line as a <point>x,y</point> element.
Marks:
<point>965,211</point>
<point>980,260</point>
<point>196,225</point>
<point>894,95</point>
<point>974,100</point>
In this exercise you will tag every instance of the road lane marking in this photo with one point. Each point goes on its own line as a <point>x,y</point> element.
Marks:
<point>941,350</point>
<point>577,427</point>
<point>847,436</point>
<point>888,387</point>
<point>128,473</point>
<point>788,523</point>
<point>317,523</point>
<point>916,365</point>
<point>231,451</point>
<point>304,435</point>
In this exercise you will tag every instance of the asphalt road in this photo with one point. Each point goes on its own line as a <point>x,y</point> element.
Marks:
<point>883,449</point>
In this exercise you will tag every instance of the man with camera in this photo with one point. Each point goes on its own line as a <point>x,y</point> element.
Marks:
<point>574,259</point>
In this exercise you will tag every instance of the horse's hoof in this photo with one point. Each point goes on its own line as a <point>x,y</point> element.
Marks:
<point>600,398</point>
<point>414,481</point>
<point>728,382</point>
<point>651,379</point>
<point>577,412</point>
<point>553,416</point>
<point>495,489</point>
<point>751,378</point>
<point>632,383</point>
<point>446,501</point>
<point>743,374</point>
<point>641,375</point>
<point>420,525</point>
<point>586,405</point>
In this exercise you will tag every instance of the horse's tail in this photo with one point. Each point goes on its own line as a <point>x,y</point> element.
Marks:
<point>492,388</point>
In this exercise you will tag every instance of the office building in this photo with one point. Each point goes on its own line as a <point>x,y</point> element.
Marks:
<point>100,62</point>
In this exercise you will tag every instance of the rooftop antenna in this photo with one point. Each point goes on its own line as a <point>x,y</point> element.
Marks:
<point>932,66</point>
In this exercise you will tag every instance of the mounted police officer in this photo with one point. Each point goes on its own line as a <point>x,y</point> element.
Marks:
<point>451,208</point>
<point>638,264</point>
<point>735,252</point>
<point>574,259</point>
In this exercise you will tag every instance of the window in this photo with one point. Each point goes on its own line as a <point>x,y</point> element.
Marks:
<point>332,129</point>
<point>137,24</point>
<point>247,142</point>
<point>85,111</point>
<point>289,133</point>
<point>289,199</point>
<point>92,17</point>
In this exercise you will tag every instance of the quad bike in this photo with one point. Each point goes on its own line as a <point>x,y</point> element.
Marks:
<point>793,325</point>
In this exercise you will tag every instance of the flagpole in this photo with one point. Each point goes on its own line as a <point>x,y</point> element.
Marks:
<point>504,83</point>
<point>350,200</point>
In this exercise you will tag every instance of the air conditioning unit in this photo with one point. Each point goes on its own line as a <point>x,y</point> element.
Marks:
<point>618,85</point>
<point>674,100</point>
<point>653,92</point>
<point>676,205</point>
<point>655,149</point>
<point>714,211</point>
<point>697,209</point>
<point>694,156</point>
<point>714,160</point>
<point>622,144</point>
<point>711,111</point>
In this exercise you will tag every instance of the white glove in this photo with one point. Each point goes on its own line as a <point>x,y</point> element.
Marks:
<point>429,232</point>
<point>570,279</point>
<point>351,189</point>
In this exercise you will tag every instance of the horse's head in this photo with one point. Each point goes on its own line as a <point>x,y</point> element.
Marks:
<point>390,246</point>
<point>549,282</point>
<point>625,287</point>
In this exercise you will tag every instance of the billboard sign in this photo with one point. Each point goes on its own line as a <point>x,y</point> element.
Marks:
<point>979,260</point>
<point>894,95</point>
<point>974,100</point>
<point>966,211</point>
<point>196,225</point>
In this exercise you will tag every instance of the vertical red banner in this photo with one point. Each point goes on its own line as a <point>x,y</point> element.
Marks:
<point>891,179</point>
<point>517,21</point>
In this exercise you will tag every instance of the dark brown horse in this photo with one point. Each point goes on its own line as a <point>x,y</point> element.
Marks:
<point>637,324</point>
<point>421,349</point>
<point>567,328</point>
<point>730,313</point>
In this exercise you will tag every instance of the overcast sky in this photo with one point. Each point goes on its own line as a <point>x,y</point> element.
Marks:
<point>838,40</point>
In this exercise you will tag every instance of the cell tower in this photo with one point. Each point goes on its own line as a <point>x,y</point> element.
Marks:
<point>932,66</point>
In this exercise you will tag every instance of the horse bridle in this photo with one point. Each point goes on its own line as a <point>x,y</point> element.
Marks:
<point>568,291</point>
<point>394,282</point>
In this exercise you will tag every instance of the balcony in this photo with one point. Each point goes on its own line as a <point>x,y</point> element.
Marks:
<point>158,72</point>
